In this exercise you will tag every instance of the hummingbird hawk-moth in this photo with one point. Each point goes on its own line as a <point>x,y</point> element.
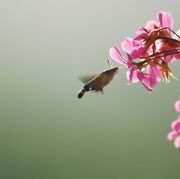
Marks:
<point>98,82</point>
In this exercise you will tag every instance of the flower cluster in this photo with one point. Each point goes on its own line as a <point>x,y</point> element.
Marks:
<point>150,52</point>
<point>175,133</point>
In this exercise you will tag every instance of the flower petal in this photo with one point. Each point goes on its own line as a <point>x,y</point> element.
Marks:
<point>128,45</point>
<point>132,76</point>
<point>172,135</point>
<point>141,34</point>
<point>177,56</point>
<point>166,20</point>
<point>177,142</point>
<point>151,25</point>
<point>155,71</point>
<point>116,55</point>
<point>168,58</point>
<point>177,106</point>
<point>138,52</point>
<point>148,81</point>
<point>176,125</point>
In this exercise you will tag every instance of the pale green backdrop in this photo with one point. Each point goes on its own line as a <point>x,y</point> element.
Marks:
<point>45,131</point>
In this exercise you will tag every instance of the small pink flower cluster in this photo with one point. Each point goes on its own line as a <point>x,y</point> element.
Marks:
<point>150,52</point>
<point>175,133</point>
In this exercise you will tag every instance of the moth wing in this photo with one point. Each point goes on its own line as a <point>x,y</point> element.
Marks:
<point>86,78</point>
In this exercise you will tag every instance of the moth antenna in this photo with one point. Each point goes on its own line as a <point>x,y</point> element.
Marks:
<point>110,64</point>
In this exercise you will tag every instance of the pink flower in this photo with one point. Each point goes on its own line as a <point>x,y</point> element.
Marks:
<point>166,20</point>
<point>150,52</point>
<point>177,106</point>
<point>154,38</point>
<point>135,74</point>
<point>175,133</point>
<point>176,126</point>
<point>177,142</point>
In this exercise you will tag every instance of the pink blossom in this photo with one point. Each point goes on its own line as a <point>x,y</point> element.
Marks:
<point>177,106</point>
<point>150,52</point>
<point>176,125</point>
<point>177,142</point>
<point>154,38</point>
<point>175,133</point>
<point>166,21</point>
<point>135,74</point>
<point>172,135</point>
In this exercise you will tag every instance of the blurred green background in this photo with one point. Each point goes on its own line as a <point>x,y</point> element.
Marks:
<point>45,131</point>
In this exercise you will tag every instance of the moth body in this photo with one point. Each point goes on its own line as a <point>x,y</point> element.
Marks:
<point>98,82</point>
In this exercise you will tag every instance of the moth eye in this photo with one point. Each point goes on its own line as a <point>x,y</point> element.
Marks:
<point>90,88</point>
